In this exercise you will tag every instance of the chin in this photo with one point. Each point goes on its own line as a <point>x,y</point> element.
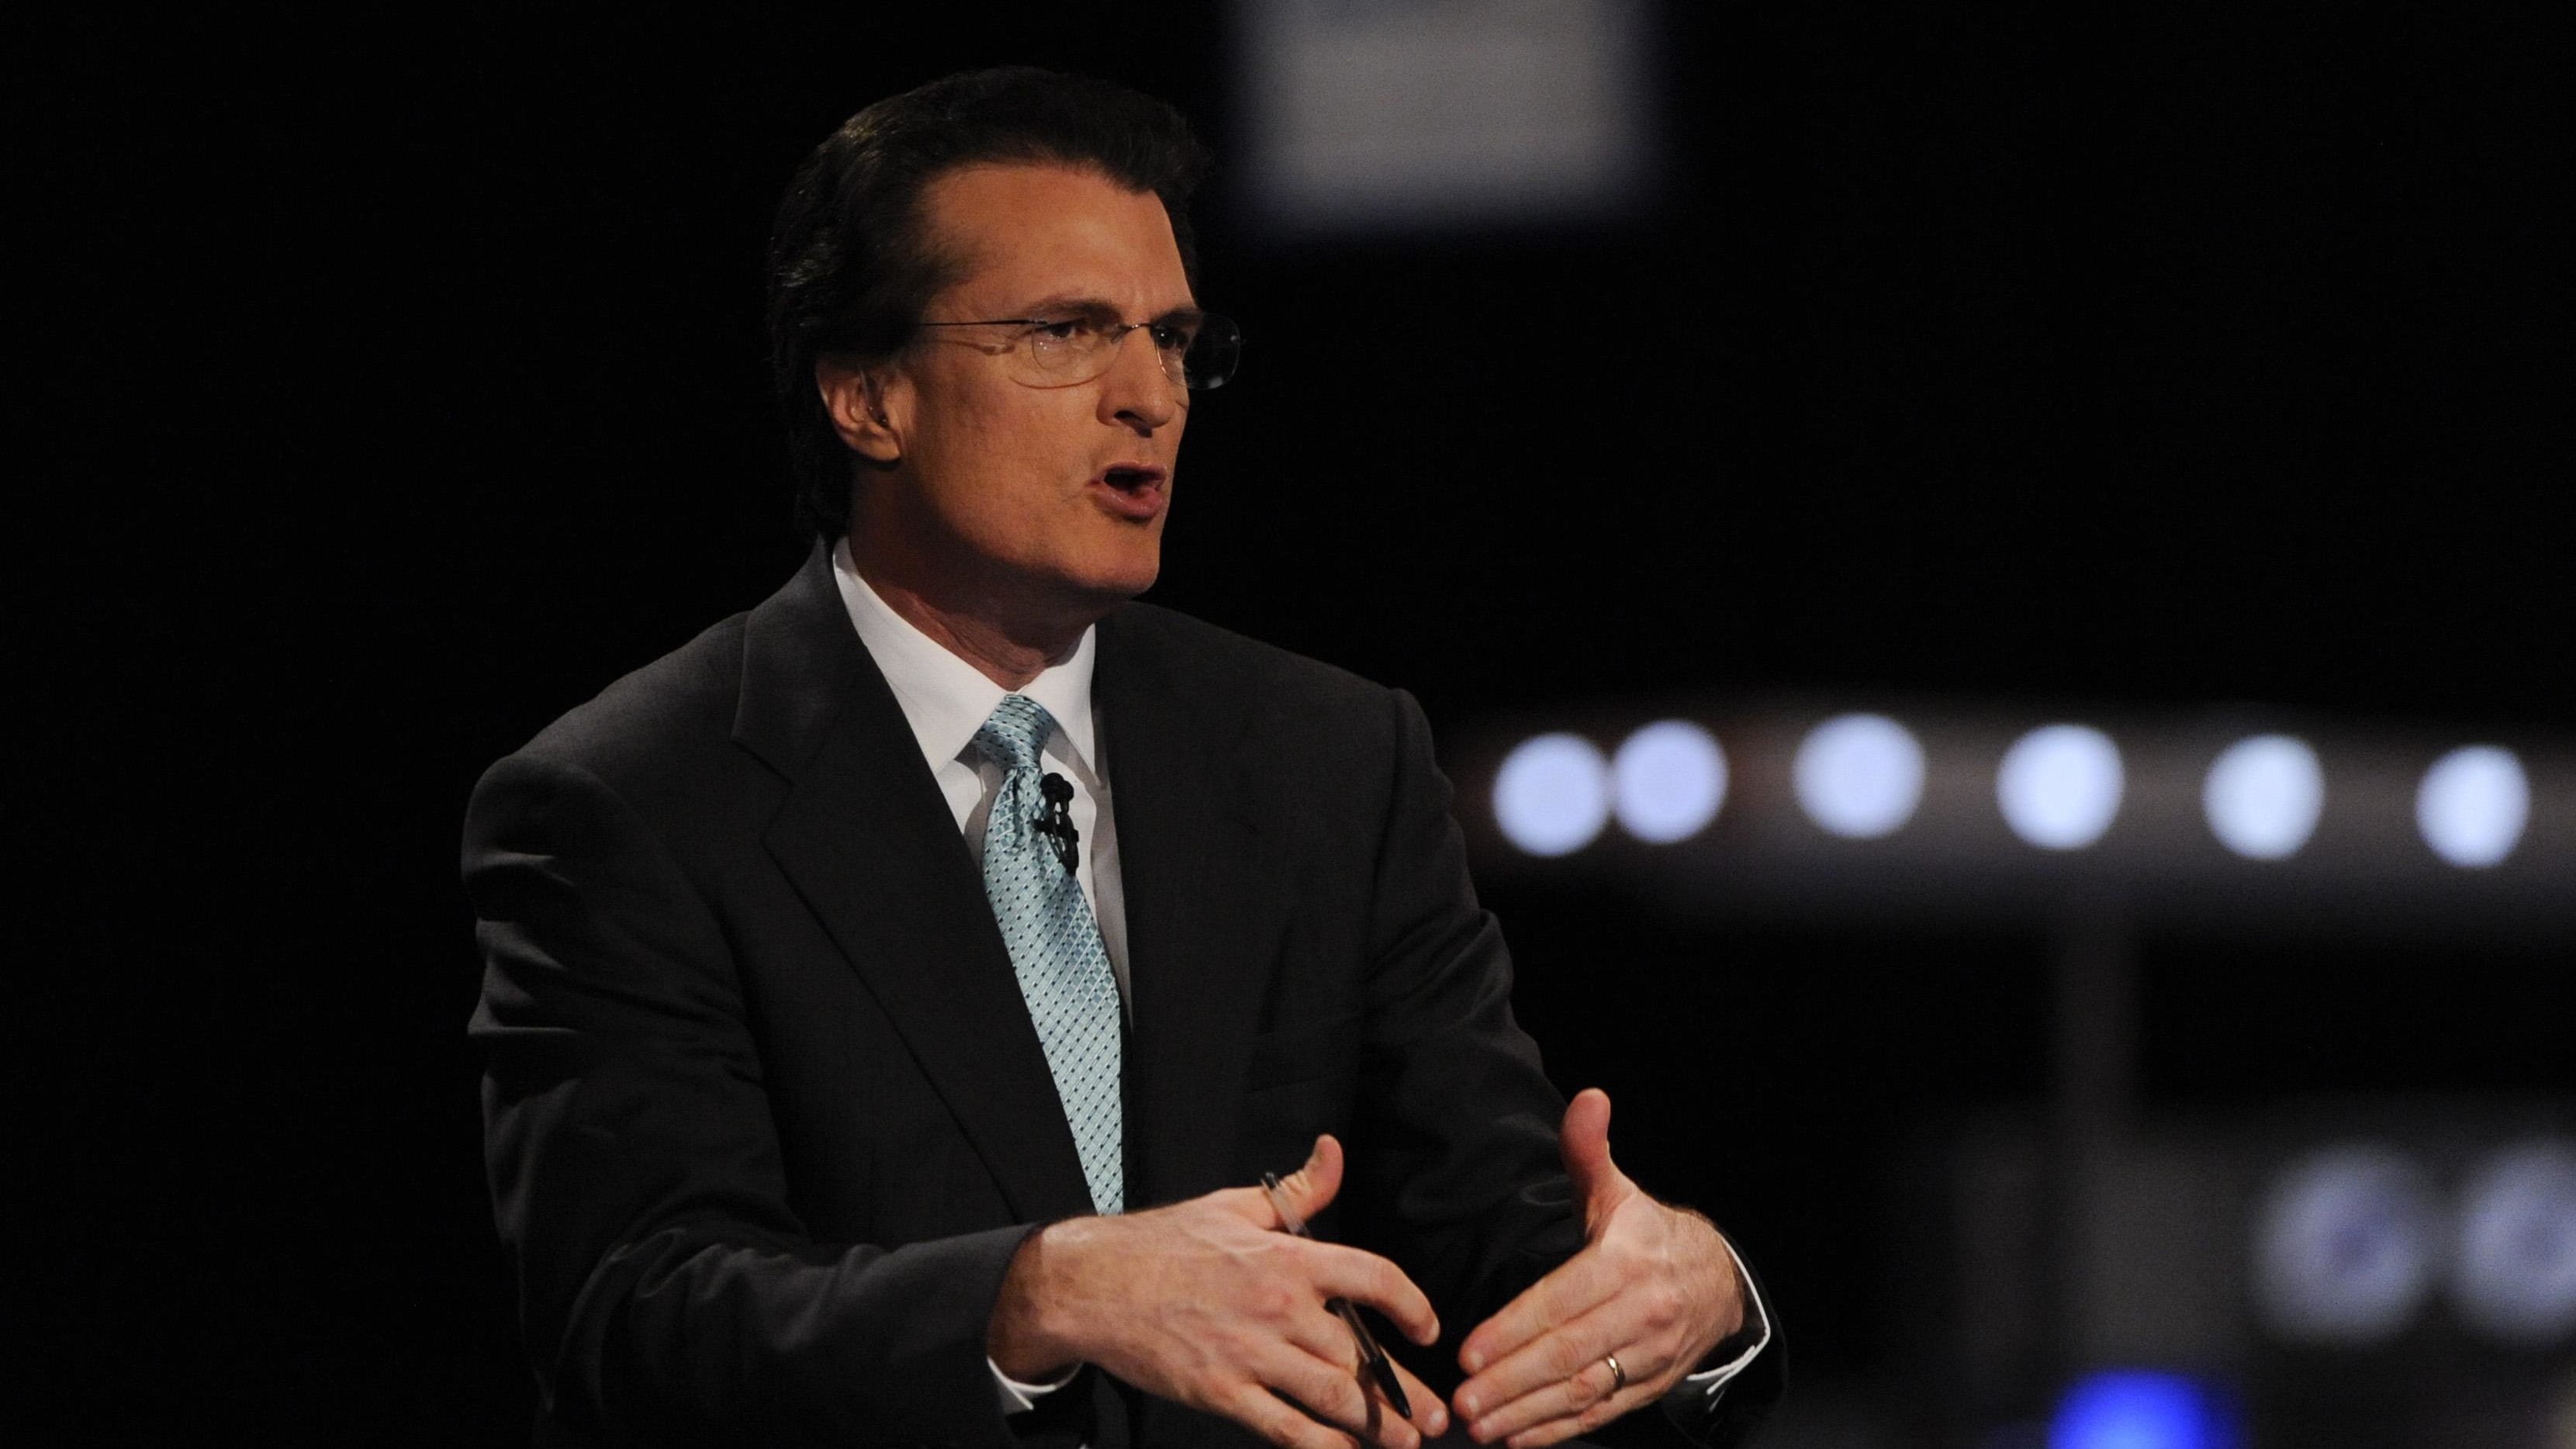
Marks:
<point>1118,580</point>
<point>1128,583</point>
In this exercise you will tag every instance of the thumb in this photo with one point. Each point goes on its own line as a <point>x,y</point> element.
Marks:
<point>1309,1190</point>
<point>1586,1144</point>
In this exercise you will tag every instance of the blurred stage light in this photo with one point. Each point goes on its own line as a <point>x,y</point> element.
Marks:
<point>1668,781</point>
<point>2344,1248</point>
<point>1552,794</point>
<point>1389,117</point>
<point>2263,796</point>
<point>2473,804</point>
<point>2516,1272</point>
<point>2136,1410</point>
<point>2060,785</point>
<point>1859,776</point>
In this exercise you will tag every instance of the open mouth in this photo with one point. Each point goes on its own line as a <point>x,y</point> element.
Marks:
<point>1133,491</point>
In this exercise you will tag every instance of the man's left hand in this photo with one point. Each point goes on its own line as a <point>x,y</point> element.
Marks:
<point>1653,1286</point>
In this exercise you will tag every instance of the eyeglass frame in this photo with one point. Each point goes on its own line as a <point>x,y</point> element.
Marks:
<point>1116,336</point>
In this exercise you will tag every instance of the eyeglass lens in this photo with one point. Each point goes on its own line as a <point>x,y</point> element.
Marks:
<point>1213,353</point>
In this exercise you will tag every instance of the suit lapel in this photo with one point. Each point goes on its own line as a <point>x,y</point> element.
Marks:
<point>869,843</point>
<point>1203,911</point>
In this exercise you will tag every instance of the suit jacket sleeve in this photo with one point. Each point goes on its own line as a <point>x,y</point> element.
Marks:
<point>1475,1205</point>
<point>668,1290</point>
<point>1456,1168</point>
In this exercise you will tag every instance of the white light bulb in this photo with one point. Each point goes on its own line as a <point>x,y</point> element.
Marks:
<point>2473,805</point>
<point>1667,781</point>
<point>1859,776</point>
<point>2263,796</point>
<point>2060,786</point>
<point>1552,794</point>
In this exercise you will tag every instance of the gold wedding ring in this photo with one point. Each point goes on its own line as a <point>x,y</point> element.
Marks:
<point>1618,1375</point>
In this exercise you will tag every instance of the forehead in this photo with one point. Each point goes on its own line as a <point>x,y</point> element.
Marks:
<point>1024,233</point>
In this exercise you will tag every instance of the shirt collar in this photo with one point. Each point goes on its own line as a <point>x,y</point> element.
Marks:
<point>945,699</point>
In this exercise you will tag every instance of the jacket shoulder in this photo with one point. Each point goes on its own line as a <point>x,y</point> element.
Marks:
<point>657,721</point>
<point>1220,658</point>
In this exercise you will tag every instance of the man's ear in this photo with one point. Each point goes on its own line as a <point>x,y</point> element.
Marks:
<point>854,398</point>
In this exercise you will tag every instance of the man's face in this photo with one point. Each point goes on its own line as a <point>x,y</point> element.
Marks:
<point>1058,493</point>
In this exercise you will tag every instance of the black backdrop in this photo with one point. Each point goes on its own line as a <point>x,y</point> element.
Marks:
<point>403,385</point>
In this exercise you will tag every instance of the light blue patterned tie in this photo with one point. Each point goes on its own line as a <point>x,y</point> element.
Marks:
<point>1055,947</point>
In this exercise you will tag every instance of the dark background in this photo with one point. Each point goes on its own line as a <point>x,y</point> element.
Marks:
<point>400,385</point>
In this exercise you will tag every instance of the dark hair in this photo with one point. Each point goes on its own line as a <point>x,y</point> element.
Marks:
<point>850,266</point>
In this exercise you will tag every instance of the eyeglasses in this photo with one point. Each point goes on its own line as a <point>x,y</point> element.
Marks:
<point>1199,350</point>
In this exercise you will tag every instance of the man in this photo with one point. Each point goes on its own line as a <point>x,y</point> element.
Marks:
<point>895,995</point>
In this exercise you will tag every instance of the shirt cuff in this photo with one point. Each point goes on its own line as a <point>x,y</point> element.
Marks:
<point>1707,1383</point>
<point>1019,1398</point>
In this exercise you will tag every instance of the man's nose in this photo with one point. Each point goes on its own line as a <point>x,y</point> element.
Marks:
<point>1137,390</point>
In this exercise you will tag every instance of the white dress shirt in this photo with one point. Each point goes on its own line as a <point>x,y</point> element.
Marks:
<point>946,700</point>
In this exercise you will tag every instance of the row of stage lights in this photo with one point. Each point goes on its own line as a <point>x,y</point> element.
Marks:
<point>2353,1241</point>
<point>2059,788</point>
<point>2352,1244</point>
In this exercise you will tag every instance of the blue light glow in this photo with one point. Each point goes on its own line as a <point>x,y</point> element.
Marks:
<point>2263,796</point>
<point>1552,795</point>
<point>2060,785</point>
<point>2346,1246</point>
<point>1668,781</point>
<point>2516,1272</point>
<point>2135,1410</point>
<point>1859,775</point>
<point>2473,804</point>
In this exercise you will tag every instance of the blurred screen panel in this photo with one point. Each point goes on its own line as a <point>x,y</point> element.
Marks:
<point>1376,116</point>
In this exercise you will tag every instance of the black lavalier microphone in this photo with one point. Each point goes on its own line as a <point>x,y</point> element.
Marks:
<point>1056,823</point>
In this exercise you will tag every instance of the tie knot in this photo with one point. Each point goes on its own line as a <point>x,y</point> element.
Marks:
<point>1018,726</point>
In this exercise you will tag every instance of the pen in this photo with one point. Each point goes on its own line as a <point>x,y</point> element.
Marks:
<point>1373,1358</point>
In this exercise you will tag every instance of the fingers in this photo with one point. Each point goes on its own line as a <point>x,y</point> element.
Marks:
<point>1324,1374</point>
<point>1328,1338</point>
<point>1430,1415</point>
<point>1651,1308</point>
<point>1253,1309</point>
<point>1539,1372</point>
<point>1550,1370</point>
<point>1582,1283</point>
<point>1585,1142</point>
<point>1348,1272</point>
<point>1582,1411</point>
<point>1271,1417</point>
<point>1309,1190</point>
<point>1589,1278</point>
<point>1332,1342</point>
<point>1585,1136</point>
<point>1578,1403</point>
<point>1364,1277</point>
<point>1332,1390</point>
<point>1305,1192</point>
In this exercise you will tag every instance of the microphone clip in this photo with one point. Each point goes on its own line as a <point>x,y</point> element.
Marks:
<point>1055,822</point>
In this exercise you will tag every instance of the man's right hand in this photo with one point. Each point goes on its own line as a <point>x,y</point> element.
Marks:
<point>1209,1303</point>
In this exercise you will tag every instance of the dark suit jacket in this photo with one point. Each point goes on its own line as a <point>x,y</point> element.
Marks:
<point>767,1117</point>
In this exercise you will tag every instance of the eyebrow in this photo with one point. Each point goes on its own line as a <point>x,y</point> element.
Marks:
<point>1099,308</point>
